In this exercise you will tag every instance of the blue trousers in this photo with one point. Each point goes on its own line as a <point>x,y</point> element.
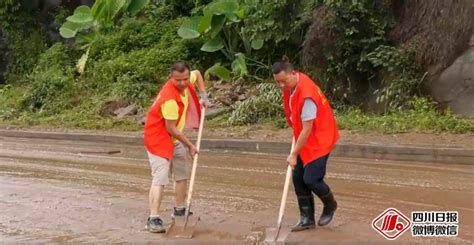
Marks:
<point>311,177</point>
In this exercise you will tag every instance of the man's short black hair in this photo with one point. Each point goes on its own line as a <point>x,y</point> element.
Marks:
<point>280,66</point>
<point>180,66</point>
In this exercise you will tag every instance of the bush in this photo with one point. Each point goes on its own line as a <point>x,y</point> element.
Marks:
<point>124,64</point>
<point>58,55</point>
<point>129,62</point>
<point>267,104</point>
<point>133,34</point>
<point>24,50</point>
<point>145,65</point>
<point>52,81</point>
<point>400,75</point>
<point>52,90</point>
<point>10,97</point>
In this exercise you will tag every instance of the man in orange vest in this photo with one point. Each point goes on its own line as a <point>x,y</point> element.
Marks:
<point>308,112</point>
<point>175,108</point>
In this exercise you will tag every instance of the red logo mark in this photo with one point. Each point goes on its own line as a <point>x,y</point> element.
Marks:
<point>391,223</point>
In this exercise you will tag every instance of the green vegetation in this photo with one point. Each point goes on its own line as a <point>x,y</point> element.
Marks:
<point>268,104</point>
<point>420,116</point>
<point>129,63</point>
<point>87,24</point>
<point>247,33</point>
<point>121,50</point>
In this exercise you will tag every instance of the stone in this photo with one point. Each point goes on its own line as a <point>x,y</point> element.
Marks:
<point>109,107</point>
<point>454,87</point>
<point>126,111</point>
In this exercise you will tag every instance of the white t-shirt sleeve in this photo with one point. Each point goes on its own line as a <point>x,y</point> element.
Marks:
<point>309,110</point>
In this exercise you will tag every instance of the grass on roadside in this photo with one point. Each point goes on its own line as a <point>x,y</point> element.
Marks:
<point>421,117</point>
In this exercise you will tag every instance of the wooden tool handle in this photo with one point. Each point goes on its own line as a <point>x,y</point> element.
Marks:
<point>285,189</point>
<point>195,159</point>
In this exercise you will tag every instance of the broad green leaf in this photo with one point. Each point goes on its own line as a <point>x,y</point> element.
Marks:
<point>82,14</point>
<point>232,17</point>
<point>217,23</point>
<point>224,7</point>
<point>106,10</point>
<point>86,39</point>
<point>239,66</point>
<point>189,28</point>
<point>67,32</point>
<point>69,29</point>
<point>126,5</point>
<point>207,11</point>
<point>97,8</point>
<point>205,24</point>
<point>257,43</point>
<point>213,45</point>
<point>136,6</point>
<point>219,71</point>
<point>114,8</point>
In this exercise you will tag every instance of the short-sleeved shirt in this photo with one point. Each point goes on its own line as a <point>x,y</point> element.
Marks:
<point>309,110</point>
<point>170,108</point>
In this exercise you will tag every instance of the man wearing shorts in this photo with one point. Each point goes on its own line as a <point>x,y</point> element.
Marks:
<point>175,108</point>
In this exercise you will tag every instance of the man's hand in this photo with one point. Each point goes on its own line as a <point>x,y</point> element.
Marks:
<point>193,150</point>
<point>307,126</point>
<point>291,160</point>
<point>204,101</point>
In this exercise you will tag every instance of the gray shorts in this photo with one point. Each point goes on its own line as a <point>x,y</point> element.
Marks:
<point>180,166</point>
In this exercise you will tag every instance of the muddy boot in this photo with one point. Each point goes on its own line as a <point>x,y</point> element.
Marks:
<point>306,205</point>
<point>155,225</point>
<point>179,212</point>
<point>330,206</point>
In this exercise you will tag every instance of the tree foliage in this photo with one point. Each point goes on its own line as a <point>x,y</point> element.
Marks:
<point>87,23</point>
<point>247,33</point>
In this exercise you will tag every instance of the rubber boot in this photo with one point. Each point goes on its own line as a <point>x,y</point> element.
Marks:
<point>330,206</point>
<point>306,206</point>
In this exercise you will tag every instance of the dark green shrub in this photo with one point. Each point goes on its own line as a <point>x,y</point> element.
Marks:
<point>52,80</point>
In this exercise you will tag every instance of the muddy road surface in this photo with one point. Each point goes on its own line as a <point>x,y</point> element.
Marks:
<point>51,192</point>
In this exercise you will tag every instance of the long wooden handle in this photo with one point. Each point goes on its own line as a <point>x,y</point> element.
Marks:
<point>285,189</point>
<point>195,159</point>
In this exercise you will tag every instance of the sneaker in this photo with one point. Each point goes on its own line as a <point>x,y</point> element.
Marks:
<point>179,212</point>
<point>155,225</point>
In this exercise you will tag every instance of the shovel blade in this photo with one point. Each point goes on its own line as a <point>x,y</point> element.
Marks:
<point>180,229</point>
<point>273,236</point>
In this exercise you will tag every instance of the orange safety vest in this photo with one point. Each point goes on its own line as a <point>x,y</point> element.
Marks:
<point>157,140</point>
<point>324,133</point>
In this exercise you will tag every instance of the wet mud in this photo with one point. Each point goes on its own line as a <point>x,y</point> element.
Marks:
<point>50,192</point>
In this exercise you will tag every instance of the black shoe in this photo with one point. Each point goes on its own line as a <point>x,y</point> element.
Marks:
<point>155,225</point>
<point>330,206</point>
<point>179,212</point>
<point>306,206</point>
